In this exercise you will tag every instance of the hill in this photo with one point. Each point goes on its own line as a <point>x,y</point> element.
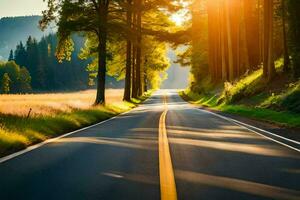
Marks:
<point>68,75</point>
<point>16,29</point>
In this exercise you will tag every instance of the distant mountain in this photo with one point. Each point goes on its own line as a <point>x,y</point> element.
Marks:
<point>16,29</point>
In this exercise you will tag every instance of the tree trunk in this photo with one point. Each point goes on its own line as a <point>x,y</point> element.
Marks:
<point>223,40</point>
<point>134,82</point>
<point>134,47</point>
<point>266,38</point>
<point>268,68</point>
<point>145,82</point>
<point>260,34</point>
<point>245,54</point>
<point>210,13</point>
<point>271,66</point>
<point>229,41</point>
<point>102,37</point>
<point>127,90</point>
<point>139,49</point>
<point>285,48</point>
<point>100,98</point>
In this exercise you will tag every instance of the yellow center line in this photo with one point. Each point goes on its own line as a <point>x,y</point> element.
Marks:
<point>166,174</point>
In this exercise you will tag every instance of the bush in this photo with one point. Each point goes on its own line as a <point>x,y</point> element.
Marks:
<point>247,86</point>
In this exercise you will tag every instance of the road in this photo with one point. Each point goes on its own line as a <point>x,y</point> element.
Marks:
<point>164,149</point>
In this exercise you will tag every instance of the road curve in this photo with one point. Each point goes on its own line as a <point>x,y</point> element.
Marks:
<point>132,155</point>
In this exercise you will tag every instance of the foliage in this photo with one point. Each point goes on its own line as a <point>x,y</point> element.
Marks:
<point>5,84</point>
<point>155,61</point>
<point>14,78</point>
<point>46,72</point>
<point>245,87</point>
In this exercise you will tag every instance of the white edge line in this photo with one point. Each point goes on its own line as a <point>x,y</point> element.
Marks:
<point>244,125</point>
<point>33,147</point>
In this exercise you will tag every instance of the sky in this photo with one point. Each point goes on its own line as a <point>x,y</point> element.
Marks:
<point>21,7</point>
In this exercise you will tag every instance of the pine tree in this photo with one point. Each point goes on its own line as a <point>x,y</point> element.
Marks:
<point>20,55</point>
<point>33,62</point>
<point>11,55</point>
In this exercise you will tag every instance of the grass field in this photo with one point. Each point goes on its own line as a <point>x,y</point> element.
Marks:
<point>52,115</point>
<point>53,103</point>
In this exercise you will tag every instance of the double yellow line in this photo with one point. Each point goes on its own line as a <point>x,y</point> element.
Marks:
<point>166,174</point>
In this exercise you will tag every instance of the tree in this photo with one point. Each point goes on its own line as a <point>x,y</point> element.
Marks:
<point>82,16</point>
<point>127,89</point>
<point>5,84</point>
<point>293,7</point>
<point>155,61</point>
<point>14,79</point>
<point>20,55</point>
<point>33,62</point>
<point>268,62</point>
<point>149,18</point>
<point>24,80</point>
<point>139,80</point>
<point>11,55</point>
<point>285,47</point>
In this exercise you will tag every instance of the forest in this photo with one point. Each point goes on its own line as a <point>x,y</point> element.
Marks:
<point>243,36</point>
<point>244,53</point>
<point>45,73</point>
<point>227,41</point>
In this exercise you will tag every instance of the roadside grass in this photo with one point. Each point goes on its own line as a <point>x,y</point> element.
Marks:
<point>18,132</point>
<point>283,118</point>
<point>142,98</point>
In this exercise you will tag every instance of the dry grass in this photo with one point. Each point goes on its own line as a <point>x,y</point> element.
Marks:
<point>53,115</point>
<point>53,103</point>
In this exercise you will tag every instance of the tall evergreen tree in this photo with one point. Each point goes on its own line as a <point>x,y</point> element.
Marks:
<point>20,55</point>
<point>11,55</point>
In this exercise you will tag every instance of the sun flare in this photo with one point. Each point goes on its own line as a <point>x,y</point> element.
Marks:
<point>178,19</point>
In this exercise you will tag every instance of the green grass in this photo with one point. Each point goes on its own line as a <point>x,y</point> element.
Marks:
<point>18,132</point>
<point>289,99</point>
<point>142,98</point>
<point>284,118</point>
<point>248,86</point>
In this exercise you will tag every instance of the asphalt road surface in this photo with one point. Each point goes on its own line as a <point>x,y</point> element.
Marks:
<point>164,149</point>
